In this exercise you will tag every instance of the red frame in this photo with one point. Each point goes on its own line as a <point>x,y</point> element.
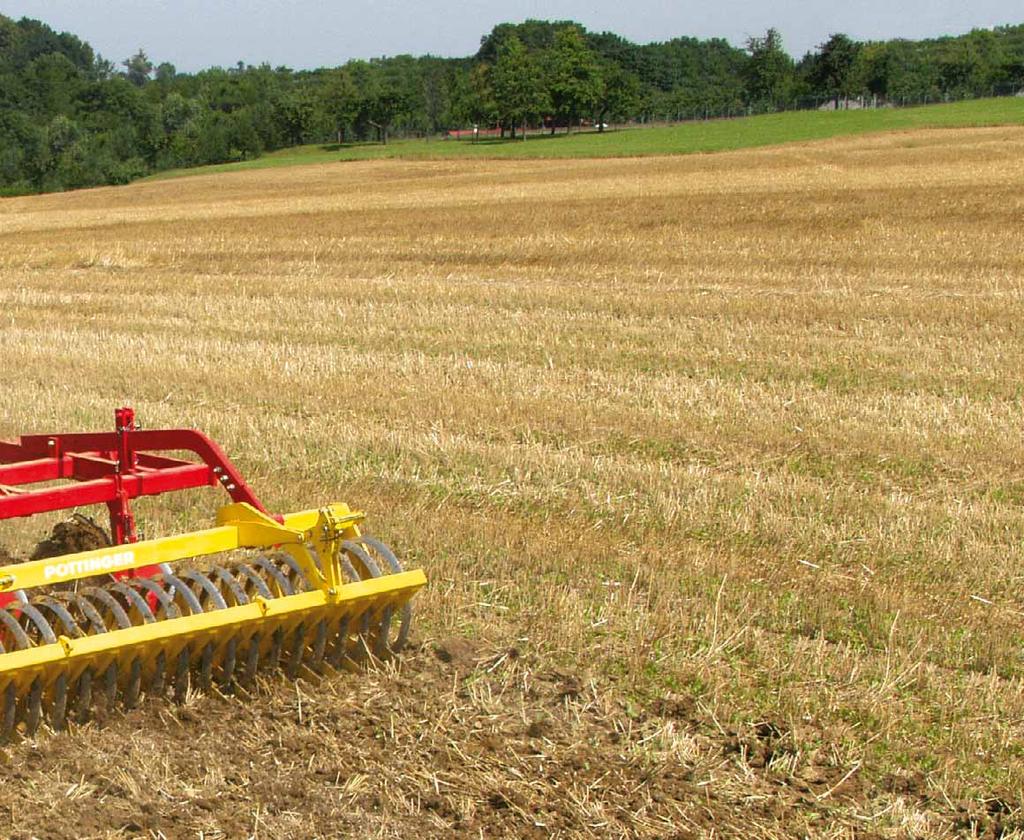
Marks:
<point>111,468</point>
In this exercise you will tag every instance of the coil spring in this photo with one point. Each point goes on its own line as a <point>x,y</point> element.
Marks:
<point>95,609</point>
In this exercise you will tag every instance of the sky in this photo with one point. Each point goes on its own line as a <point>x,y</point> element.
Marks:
<point>302,34</point>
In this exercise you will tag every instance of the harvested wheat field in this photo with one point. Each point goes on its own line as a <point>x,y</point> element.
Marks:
<point>714,464</point>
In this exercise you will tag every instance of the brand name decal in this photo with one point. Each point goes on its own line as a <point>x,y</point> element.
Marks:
<point>106,563</point>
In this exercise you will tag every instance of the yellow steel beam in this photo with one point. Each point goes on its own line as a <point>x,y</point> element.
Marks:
<point>118,558</point>
<point>241,526</point>
<point>307,520</point>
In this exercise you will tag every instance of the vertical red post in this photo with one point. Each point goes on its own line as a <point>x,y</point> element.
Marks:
<point>122,520</point>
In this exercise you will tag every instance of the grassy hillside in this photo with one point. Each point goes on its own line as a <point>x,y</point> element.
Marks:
<point>687,138</point>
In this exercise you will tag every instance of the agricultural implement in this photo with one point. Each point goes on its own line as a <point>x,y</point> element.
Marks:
<point>306,592</point>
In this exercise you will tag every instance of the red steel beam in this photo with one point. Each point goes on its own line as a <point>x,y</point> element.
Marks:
<point>104,490</point>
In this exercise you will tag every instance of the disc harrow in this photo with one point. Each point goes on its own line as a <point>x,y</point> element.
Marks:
<point>305,593</point>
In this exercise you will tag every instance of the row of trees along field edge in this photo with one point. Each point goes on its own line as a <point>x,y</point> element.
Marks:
<point>70,118</point>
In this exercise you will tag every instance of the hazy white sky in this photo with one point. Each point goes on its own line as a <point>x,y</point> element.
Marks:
<point>193,34</point>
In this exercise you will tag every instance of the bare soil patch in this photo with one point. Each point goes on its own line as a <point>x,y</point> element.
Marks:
<point>458,737</point>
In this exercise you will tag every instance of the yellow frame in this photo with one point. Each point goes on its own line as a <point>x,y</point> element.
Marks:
<point>239,526</point>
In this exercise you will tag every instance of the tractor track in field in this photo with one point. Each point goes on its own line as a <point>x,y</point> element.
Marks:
<point>458,737</point>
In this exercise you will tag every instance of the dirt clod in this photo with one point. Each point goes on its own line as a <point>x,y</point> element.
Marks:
<point>461,653</point>
<point>77,533</point>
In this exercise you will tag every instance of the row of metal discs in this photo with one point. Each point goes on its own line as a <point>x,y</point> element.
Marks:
<point>117,605</point>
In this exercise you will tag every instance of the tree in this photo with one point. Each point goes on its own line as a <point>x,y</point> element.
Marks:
<point>517,85</point>
<point>874,69</point>
<point>138,68</point>
<point>768,72</point>
<point>165,72</point>
<point>620,94</point>
<point>575,85</point>
<point>340,98</point>
<point>832,71</point>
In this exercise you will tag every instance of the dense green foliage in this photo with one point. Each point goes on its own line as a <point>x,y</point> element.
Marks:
<point>695,136</point>
<point>69,118</point>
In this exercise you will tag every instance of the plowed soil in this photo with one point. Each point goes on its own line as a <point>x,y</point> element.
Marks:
<point>458,737</point>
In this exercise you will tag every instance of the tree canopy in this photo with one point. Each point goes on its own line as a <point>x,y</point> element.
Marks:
<point>71,118</point>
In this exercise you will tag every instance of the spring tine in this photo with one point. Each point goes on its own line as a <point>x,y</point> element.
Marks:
<point>351,575</point>
<point>383,551</point>
<point>365,620</point>
<point>59,707</point>
<point>227,668</point>
<point>206,667</point>
<point>181,674</point>
<point>110,685</point>
<point>34,707</point>
<point>381,646</point>
<point>316,657</point>
<point>157,682</point>
<point>10,716</point>
<point>134,684</point>
<point>110,602</point>
<point>224,576</point>
<point>15,629</point>
<point>277,575</point>
<point>63,616</point>
<point>405,613</point>
<point>169,608</point>
<point>276,640</point>
<point>88,610</point>
<point>404,623</point>
<point>34,710</point>
<point>46,633</point>
<point>252,660</point>
<point>217,602</point>
<point>372,570</point>
<point>212,593</point>
<point>296,571</point>
<point>338,651</point>
<point>133,598</point>
<point>295,654</point>
<point>360,553</point>
<point>83,692</point>
<point>187,595</point>
<point>250,574</point>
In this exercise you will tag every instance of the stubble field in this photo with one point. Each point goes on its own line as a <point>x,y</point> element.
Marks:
<point>714,464</point>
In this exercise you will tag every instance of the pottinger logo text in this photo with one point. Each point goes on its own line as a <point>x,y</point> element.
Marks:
<point>93,564</point>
